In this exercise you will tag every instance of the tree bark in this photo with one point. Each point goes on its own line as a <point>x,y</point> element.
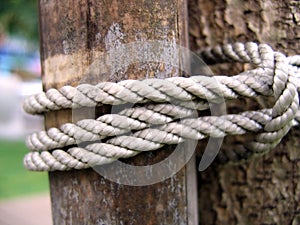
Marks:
<point>264,190</point>
<point>73,35</point>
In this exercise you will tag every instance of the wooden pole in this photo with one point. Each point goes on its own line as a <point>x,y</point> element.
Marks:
<point>73,35</point>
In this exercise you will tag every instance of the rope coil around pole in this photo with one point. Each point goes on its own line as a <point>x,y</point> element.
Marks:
<point>275,75</point>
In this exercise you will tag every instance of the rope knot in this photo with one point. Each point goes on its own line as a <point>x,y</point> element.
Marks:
<point>285,74</point>
<point>156,123</point>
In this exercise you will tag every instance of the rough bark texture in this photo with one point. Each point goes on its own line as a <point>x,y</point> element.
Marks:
<point>264,190</point>
<point>73,35</point>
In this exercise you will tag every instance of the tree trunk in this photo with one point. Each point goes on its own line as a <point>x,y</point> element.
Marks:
<point>264,190</point>
<point>73,35</point>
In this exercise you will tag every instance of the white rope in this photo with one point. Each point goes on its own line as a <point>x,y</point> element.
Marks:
<point>193,92</point>
<point>150,139</point>
<point>275,75</point>
<point>105,126</point>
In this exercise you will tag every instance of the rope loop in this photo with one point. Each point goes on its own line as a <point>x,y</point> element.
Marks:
<point>156,124</point>
<point>286,101</point>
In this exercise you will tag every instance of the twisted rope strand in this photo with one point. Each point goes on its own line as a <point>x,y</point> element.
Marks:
<point>275,74</point>
<point>193,92</point>
<point>148,140</point>
<point>105,126</point>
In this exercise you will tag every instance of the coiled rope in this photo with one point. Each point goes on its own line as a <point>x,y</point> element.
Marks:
<point>157,124</point>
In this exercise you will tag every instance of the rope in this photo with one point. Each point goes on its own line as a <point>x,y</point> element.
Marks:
<point>148,140</point>
<point>105,126</point>
<point>155,125</point>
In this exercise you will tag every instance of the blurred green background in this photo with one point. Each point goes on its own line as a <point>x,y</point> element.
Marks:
<point>19,18</point>
<point>15,180</point>
<point>19,63</point>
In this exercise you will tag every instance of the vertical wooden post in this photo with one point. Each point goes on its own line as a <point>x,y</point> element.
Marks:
<point>73,35</point>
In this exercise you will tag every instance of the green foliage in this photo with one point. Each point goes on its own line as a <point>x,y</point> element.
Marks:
<point>14,179</point>
<point>20,18</point>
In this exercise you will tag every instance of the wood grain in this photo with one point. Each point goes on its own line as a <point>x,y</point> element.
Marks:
<point>74,34</point>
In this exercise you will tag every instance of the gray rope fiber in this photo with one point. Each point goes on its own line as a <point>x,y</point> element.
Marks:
<point>157,124</point>
<point>149,139</point>
<point>105,126</point>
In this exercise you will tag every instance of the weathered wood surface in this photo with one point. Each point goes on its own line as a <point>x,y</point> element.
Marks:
<point>265,190</point>
<point>73,35</point>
